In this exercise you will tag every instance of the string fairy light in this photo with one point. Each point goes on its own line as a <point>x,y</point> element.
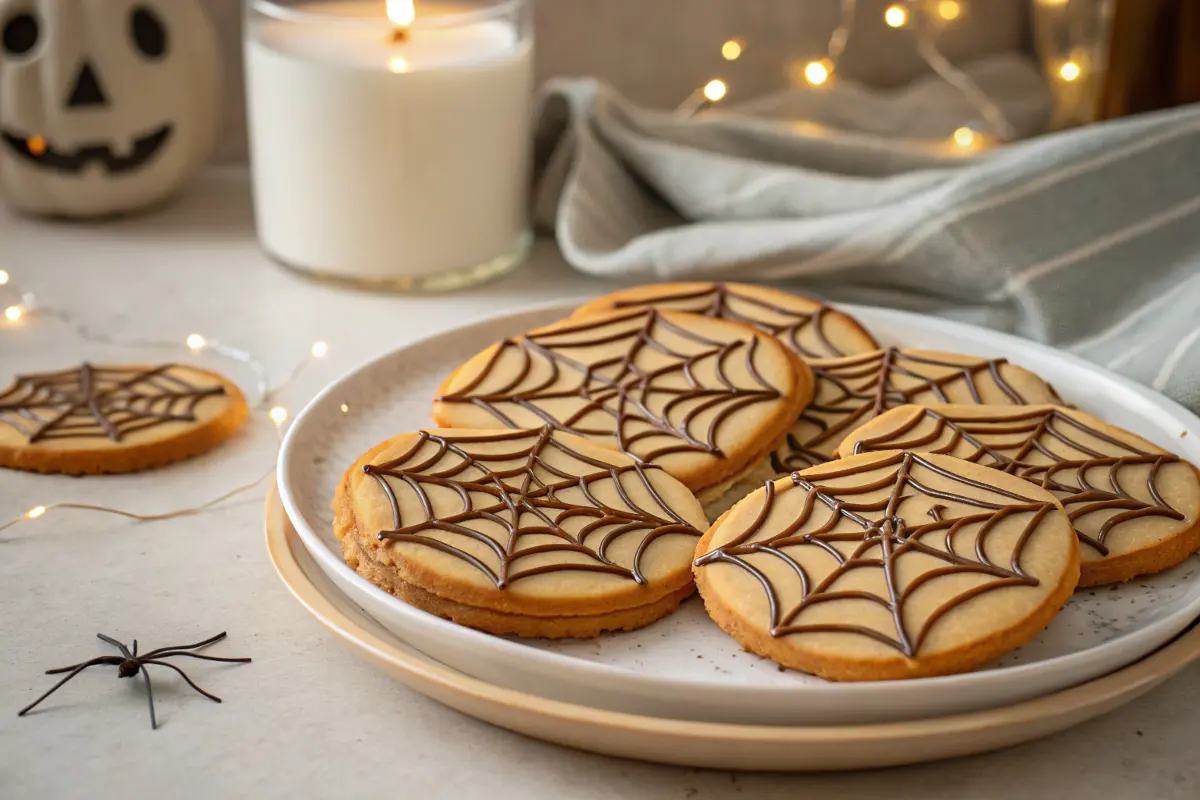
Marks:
<point>1069,71</point>
<point>817,72</point>
<point>196,343</point>
<point>39,511</point>
<point>714,90</point>
<point>949,10</point>
<point>919,18</point>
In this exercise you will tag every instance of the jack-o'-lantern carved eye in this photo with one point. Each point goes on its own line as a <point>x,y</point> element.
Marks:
<point>21,33</point>
<point>148,32</point>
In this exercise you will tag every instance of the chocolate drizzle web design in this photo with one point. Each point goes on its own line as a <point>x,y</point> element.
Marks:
<point>100,402</point>
<point>621,390</point>
<point>534,488</point>
<point>1028,433</point>
<point>714,299</point>
<point>885,530</point>
<point>853,390</point>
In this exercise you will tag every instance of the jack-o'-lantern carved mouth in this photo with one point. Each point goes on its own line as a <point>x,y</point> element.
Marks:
<point>35,150</point>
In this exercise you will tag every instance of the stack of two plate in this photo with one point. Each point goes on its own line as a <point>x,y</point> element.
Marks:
<point>681,691</point>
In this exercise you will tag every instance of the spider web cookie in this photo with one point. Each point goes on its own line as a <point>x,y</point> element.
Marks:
<point>1134,506</point>
<point>114,418</point>
<point>888,565</point>
<point>532,523</point>
<point>703,398</point>
<point>807,326</point>
<point>852,391</point>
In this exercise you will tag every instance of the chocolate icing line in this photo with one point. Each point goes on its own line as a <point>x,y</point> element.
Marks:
<point>715,299</point>
<point>518,491</point>
<point>91,402</point>
<point>891,535</point>
<point>625,396</point>
<point>1080,498</point>
<point>853,405</point>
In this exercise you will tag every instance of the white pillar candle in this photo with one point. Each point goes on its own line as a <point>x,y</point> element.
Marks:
<point>381,159</point>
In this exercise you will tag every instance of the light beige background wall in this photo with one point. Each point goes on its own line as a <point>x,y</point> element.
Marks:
<point>658,51</point>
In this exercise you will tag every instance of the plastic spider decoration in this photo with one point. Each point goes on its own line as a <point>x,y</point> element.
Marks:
<point>129,664</point>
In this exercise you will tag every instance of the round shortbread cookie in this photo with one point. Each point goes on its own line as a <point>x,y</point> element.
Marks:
<point>536,524</point>
<point>851,391</point>
<point>578,626</point>
<point>703,398</point>
<point>888,565</point>
<point>809,327</point>
<point>97,419</point>
<point>1134,506</point>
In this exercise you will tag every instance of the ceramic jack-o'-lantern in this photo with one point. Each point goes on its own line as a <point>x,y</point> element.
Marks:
<point>106,106</point>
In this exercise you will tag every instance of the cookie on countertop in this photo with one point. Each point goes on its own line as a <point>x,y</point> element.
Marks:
<point>100,419</point>
<point>706,399</point>
<point>888,565</point>
<point>809,327</point>
<point>1134,506</point>
<point>853,390</point>
<point>525,532</point>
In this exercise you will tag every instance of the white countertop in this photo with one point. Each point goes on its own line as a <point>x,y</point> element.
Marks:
<point>307,718</point>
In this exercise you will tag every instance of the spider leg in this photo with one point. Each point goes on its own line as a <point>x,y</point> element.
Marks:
<point>124,650</point>
<point>78,669</point>
<point>183,675</point>
<point>149,698</point>
<point>196,646</point>
<point>172,653</point>
<point>114,660</point>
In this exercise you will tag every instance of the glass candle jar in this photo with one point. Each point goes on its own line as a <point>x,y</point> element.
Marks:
<point>390,145</point>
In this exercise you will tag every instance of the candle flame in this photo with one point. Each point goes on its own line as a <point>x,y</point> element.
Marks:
<point>401,13</point>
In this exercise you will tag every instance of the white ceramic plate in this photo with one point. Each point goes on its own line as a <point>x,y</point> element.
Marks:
<point>710,745</point>
<point>684,667</point>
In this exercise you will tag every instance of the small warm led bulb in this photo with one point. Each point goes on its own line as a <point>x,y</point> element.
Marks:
<point>36,145</point>
<point>319,349</point>
<point>949,9</point>
<point>732,49</point>
<point>1069,71</point>
<point>3,277</point>
<point>279,415</point>
<point>345,408</point>
<point>195,342</point>
<point>895,16</point>
<point>714,90</point>
<point>35,512</point>
<point>816,73</point>
<point>13,313</point>
<point>964,137</point>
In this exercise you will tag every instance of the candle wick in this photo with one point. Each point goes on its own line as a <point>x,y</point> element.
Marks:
<point>399,35</point>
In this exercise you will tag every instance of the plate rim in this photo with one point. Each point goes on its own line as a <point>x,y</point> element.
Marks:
<point>423,674</point>
<point>549,659</point>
